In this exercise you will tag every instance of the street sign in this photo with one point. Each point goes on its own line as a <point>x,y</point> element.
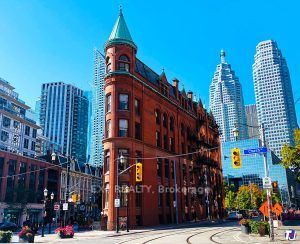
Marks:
<point>256,150</point>
<point>117,202</point>
<point>65,206</point>
<point>277,209</point>
<point>264,209</point>
<point>56,207</point>
<point>267,183</point>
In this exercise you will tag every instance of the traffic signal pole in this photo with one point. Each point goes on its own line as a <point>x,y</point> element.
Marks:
<point>269,196</point>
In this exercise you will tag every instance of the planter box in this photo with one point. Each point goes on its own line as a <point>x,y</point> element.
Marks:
<point>245,229</point>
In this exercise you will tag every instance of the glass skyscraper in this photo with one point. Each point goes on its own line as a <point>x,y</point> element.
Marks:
<point>226,101</point>
<point>64,118</point>
<point>252,170</point>
<point>89,96</point>
<point>274,96</point>
<point>98,111</point>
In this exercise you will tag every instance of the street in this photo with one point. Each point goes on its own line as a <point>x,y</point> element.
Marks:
<point>228,232</point>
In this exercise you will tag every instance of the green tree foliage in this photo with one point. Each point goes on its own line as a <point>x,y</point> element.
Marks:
<point>291,154</point>
<point>230,200</point>
<point>249,197</point>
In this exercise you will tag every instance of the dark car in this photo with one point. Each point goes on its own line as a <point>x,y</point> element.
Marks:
<point>8,226</point>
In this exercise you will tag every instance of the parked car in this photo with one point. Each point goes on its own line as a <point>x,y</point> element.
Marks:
<point>8,226</point>
<point>243,214</point>
<point>234,216</point>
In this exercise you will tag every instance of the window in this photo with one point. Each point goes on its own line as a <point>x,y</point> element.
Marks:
<point>27,130</point>
<point>123,101</point>
<point>137,107</point>
<point>33,146</point>
<point>34,133</point>
<point>138,132</point>
<point>158,139</point>
<point>124,63</point>
<point>167,172</point>
<point>159,197</point>
<point>182,129</point>
<point>159,169</point>
<point>166,146</point>
<point>108,128</point>
<point>108,103</point>
<point>171,123</point>
<point>16,124</point>
<point>172,144</point>
<point>4,136</point>
<point>106,195</point>
<point>6,122</point>
<point>108,65</point>
<point>26,143</point>
<point>165,120</point>
<point>138,196</point>
<point>123,128</point>
<point>157,116</point>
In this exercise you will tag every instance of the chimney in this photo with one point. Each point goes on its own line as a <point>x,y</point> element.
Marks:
<point>175,84</point>
<point>190,95</point>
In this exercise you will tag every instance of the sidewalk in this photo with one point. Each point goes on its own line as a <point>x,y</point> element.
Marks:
<point>87,235</point>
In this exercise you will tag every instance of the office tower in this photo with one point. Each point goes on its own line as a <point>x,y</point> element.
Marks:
<point>18,131</point>
<point>64,118</point>
<point>274,95</point>
<point>252,121</point>
<point>226,101</point>
<point>98,113</point>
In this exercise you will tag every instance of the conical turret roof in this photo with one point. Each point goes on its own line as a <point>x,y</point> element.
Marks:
<point>120,33</point>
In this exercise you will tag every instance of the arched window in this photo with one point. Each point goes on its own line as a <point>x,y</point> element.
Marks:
<point>157,116</point>
<point>124,63</point>
<point>171,123</point>
<point>165,120</point>
<point>108,65</point>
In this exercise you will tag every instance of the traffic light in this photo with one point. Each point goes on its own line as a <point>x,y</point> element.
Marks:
<point>138,172</point>
<point>275,186</point>
<point>236,158</point>
<point>73,197</point>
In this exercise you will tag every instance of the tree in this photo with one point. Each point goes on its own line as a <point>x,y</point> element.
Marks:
<point>249,197</point>
<point>291,154</point>
<point>230,200</point>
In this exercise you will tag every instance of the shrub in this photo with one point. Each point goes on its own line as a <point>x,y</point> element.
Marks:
<point>27,234</point>
<point>255,226</point>
<point>65,232</point>
<point>245,222</point>
<point>5,236</point>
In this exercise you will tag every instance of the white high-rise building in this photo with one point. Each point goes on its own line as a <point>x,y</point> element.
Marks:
<point>98,111</point>
<point>274,95</point>
<point>226,101</point>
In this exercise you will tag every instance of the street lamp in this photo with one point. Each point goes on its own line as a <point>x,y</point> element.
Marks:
<point>50,219</point>
<point>53,157</point>
<point>44,210</point>
<point>236,132</point>
<point>122,160</point>
<point>127,207</point>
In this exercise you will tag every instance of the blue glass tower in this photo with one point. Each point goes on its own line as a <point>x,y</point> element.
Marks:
<point>252,169</point>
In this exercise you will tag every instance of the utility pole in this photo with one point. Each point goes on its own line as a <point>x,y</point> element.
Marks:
<point>269,197</point>
<point>251,199</point>
<point>176,197</point>
<point>67,189</point>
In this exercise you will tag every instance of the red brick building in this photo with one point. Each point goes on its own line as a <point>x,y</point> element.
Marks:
<point>22,183</point>
<point>149,120</point>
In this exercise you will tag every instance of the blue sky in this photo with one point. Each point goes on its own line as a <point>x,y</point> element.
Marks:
<point>45,41</point>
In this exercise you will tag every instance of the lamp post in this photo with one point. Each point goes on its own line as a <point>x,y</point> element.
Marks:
<point>236,132</point>
<point>122,160</point>
<point>127,207</point>
<point>44,210</point>
<point>207,195</point>
<point>51,213</point>
<point>269,196</point>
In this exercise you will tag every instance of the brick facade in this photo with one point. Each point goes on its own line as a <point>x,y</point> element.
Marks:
<point>166,122</point>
